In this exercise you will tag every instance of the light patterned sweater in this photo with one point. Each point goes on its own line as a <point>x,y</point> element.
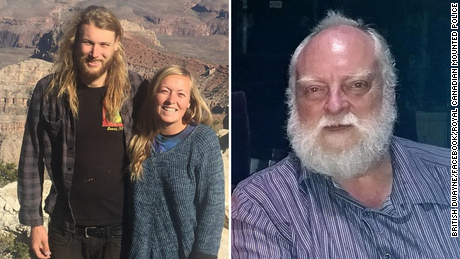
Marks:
<point>179,203</point>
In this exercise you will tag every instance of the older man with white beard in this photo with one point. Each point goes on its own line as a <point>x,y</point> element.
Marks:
<point>350,189</point>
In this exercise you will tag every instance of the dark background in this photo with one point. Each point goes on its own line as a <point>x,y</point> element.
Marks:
<point>264,38</point>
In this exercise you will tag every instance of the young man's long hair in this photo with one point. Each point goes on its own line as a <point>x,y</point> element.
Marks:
<point>148,126</point>
<point>64,82</point>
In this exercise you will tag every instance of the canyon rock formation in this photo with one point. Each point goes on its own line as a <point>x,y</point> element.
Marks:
<point>37,25</point>
<point>190,33</point>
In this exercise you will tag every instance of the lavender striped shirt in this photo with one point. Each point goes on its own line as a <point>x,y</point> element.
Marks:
<point>285,211</point>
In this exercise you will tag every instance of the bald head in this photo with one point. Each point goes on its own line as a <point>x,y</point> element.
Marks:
<point>336,49</point>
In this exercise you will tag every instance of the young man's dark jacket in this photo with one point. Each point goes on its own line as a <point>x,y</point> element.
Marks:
<point>49,142</point>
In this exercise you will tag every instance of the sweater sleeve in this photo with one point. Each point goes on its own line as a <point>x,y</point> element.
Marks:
<point>210,196</point>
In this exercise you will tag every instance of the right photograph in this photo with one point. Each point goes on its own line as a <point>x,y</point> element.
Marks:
<point>344,129</point>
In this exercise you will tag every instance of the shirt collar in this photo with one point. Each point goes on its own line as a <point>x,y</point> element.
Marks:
<point>303,172</point>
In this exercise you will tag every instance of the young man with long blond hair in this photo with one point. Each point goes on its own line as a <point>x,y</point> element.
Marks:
<point>78,126</point>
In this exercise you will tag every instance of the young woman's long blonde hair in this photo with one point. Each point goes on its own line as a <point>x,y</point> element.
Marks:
<point>65,79</point>
<point>147,127</point>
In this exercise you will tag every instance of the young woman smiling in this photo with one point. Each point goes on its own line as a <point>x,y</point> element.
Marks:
<point>177,172</point>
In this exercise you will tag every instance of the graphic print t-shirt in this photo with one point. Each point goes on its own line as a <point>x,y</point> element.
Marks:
<point>96,196</point>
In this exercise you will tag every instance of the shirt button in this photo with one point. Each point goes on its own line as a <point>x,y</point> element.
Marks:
<point>366,214</point>
<point>387,256</point>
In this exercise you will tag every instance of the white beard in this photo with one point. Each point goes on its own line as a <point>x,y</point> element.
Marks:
<point>337,157</point>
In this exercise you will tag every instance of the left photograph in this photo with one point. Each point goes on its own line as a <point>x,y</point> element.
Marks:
<point>114,133</point>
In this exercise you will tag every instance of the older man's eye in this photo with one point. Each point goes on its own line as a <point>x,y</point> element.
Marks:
<point>358,88</point>
<point>360,85</point>
<point>312,89</point>
<point>314,92</point>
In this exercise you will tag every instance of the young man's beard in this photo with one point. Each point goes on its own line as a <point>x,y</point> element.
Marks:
<point>340,162</point>
<point>91,75</point>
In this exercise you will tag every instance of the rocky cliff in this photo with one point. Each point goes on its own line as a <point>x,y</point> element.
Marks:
<point>23,22</point>
<point>190,33</point>
<point>16,86</point>
<point>37,24</point>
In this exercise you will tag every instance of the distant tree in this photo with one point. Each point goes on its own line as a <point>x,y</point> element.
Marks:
<point>8,173</point>
<point>11,247</point>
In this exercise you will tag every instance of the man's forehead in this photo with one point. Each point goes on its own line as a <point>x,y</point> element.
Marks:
<point>343,32</point>
<point>338,39</point>
<point>101,32</point>
<point>344,43</point>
